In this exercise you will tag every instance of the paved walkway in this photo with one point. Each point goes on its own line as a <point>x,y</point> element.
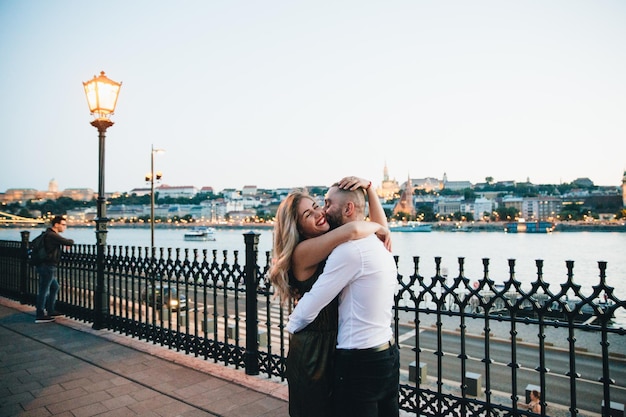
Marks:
<point>68,369</point>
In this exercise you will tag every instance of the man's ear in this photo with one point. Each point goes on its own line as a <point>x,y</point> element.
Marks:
<point>348,210</point>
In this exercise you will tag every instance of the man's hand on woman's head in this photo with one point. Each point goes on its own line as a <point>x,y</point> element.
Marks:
<point>353,183</point>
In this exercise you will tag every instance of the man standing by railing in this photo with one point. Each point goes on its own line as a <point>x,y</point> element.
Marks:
<point>363,272</point>
<point>48,284</point>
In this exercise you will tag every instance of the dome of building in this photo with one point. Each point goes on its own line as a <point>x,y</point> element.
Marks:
<point>53,186</point>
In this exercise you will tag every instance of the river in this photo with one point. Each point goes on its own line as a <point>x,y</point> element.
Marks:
<point>584,248</point>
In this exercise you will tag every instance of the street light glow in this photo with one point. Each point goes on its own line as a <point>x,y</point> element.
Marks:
<point>102,94</point>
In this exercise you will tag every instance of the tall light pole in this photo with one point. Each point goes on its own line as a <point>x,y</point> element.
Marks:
<point>101,95</point>
<point>151,177</point>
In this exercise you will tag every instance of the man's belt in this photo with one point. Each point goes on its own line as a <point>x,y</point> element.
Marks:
<point>379,348</point>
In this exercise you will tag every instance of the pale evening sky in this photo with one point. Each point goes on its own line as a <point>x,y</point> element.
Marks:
<point>288,94</point>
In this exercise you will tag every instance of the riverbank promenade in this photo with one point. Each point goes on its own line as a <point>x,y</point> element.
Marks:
<point>66,368</point>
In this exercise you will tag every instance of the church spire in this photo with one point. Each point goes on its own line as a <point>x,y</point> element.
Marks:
<point>405,204</point>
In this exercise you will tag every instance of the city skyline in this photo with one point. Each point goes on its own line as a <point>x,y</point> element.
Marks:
<point>53,186</point>
<point>290,95</point>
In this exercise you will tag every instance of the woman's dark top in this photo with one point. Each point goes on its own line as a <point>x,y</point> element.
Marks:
<point>310,358</point>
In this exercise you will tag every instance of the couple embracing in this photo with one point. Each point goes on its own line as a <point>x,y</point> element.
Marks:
<point>339,270</point>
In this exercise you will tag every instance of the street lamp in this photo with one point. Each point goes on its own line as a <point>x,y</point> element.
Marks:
<point>151,178</point>
<point>101,95</point>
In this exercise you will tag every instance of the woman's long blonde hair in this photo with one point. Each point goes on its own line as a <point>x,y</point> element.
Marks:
<point>286,238</point>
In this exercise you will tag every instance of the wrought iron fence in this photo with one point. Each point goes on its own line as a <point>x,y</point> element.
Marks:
<point>468,346</point>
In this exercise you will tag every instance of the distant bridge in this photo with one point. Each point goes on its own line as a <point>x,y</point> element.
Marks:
<point>6,218</point>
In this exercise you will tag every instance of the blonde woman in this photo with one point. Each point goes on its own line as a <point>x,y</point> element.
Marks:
<point>302,242</point>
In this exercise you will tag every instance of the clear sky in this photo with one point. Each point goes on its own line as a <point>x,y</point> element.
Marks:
<point>295,93</point>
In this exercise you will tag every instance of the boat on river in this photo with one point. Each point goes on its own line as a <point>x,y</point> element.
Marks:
<point>200,234</point>
<point>411,227</point>
<point>522,226</point>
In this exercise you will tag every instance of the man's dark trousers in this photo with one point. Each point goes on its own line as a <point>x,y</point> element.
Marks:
<point>366,382</point>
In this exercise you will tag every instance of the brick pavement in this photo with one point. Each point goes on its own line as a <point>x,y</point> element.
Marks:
<point>68,369</point>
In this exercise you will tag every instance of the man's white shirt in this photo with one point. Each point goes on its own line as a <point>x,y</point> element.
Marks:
<point>364,274</point>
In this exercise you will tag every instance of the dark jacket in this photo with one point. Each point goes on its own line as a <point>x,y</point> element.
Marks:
<point>52,242</point>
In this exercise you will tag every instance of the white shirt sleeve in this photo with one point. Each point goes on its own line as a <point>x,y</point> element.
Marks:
<point>342,265</point>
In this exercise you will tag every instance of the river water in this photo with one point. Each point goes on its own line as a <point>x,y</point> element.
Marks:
<point>584,248</point>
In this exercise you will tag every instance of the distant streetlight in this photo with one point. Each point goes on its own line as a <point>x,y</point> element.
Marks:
<point>102,96</point>
<point>151,177</point>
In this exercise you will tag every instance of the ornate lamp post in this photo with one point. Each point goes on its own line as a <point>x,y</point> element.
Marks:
<point>101,95</point>
<point>151,177</point>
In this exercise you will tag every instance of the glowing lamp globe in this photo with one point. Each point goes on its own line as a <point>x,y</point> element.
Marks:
<point>102,95</point>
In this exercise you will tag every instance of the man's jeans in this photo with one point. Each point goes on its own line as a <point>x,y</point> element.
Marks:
<point>48,290</point>
<point>367,383</point>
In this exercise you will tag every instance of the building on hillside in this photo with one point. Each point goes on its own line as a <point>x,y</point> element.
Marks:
<point>139,192</point>
<point>541,208</point>
<point>583,182</point>
<point>83,214</point>
<point>478,207</point>
<point>511,201</point>
<point>455,185</point>
<point>426,200</point>
<point>231,193</point>
<point>79,194</point>
<point>241,215</point>
<point>428,184</point>
<point>213,210</point>
<point>405,203</point>
<point>504,184</point>
<point>13,195</point>
<point>52,193</point>
<point>489,195</point>
<point>251,202</point>
<point>577,192</point>
<point>234,205</point>
<point>282,192</point>
<point>181,191</point>
<point>166,210</point>
<point>123,211</point>
<point>483,206</point>
<point>249,190</point>
<point>48,195</point>
<point>447,206</point>
<point>27,194</point>
<point>389,189</point>
<point>207,190</point>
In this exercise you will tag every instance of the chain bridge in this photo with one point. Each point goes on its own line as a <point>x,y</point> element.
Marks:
<point>7,218</point>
